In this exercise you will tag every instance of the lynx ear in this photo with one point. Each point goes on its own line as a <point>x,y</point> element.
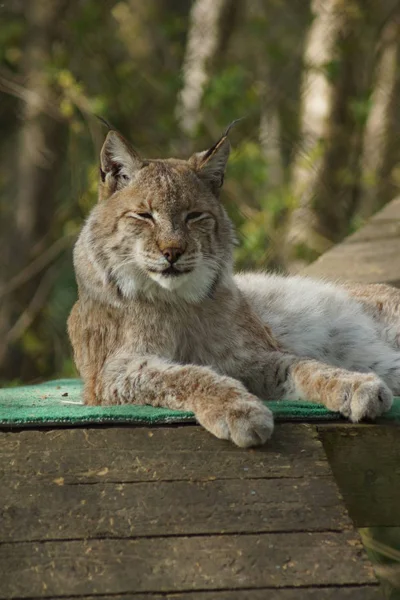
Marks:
<point>119,162</point>
<point>210,165</point>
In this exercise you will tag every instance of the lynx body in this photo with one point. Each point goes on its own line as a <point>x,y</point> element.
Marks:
<point>161,319</point>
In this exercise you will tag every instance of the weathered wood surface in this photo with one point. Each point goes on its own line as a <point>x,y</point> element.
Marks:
<point>362,592</point>
<point>82,516</point>
<point>365,460</point>
<point>182,563</point>
<point>125,454</point>
<point>370,255</point>
<point>31,512</point>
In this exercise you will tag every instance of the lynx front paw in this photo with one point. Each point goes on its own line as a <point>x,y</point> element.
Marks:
<point>246,422</point>
<point>370,399</point>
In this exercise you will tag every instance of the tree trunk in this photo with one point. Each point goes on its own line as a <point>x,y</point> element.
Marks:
<point>211,23</point>
<point>381,147</point>
<point>326,166</point>
<point>39,155</point>
<point>270,132</point>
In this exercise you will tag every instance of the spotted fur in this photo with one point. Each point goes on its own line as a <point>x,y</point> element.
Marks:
<point>162,320</point>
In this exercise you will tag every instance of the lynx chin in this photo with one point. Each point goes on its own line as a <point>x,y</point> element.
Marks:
<point>161,319</point>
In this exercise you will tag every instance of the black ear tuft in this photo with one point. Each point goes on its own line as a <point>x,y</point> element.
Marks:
<point>106,123</point>
<point>227,130</point>
<point>210,165</point>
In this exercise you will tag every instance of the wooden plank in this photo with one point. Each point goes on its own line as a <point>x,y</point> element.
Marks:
<point>371,255</point>
<point>153,454</point>
<point>67,484</point>
<point>48,569</point>
<point>334,593</point>
<point>56,512</point>
<point>365,461</point>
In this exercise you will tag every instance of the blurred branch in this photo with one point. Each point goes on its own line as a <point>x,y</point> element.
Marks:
<point>385,549</point>
<point>34,307</point>
<point>37,265</point>
<point>29,96</point>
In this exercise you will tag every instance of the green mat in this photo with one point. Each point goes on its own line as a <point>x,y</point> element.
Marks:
<point>60,403</point>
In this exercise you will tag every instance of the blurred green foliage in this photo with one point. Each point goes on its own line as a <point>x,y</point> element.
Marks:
<point>383,549</point>
<point>122,59</point>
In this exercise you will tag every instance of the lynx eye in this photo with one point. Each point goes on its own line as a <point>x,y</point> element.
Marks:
<point>195,216</point>
<point>142,216</point>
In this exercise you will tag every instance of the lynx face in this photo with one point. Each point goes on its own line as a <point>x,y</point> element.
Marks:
<point>160,229</point>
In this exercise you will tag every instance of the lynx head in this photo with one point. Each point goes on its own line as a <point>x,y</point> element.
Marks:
<point>159,229</point>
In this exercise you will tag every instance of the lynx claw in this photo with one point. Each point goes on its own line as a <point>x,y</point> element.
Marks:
<point>246,423</point>
<point>370,400</point>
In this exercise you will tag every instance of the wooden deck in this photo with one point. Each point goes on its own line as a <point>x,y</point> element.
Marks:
<point>171,512</point>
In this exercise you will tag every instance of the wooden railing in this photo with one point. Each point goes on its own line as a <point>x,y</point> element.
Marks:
<point>371,255</point>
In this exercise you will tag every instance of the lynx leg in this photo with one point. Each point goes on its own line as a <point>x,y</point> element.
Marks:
<point>221,404</point>
<point>355,395</point>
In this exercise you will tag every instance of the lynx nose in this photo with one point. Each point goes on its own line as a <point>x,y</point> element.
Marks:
<point>172,254</point>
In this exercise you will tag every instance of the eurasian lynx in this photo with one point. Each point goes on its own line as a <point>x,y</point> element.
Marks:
<point>162,320</point>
